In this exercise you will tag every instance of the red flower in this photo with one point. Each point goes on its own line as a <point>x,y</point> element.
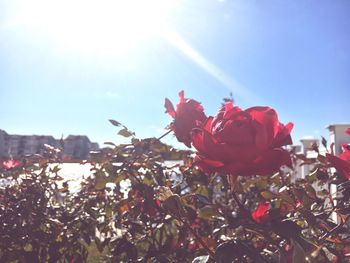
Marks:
<point>261,213</point>
<point>10,164</point>
<point>242,142</point>
<point>347,131</point>
<point>342,162</point>
<point>188,115</point>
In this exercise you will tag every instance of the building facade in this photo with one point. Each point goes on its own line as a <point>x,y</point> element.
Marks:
<point>75,147</point>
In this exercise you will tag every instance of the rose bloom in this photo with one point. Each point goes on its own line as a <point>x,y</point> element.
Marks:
<point>10,164</point>
<point>342,162</point>
<point>188,115</point>
<point>242,142</point>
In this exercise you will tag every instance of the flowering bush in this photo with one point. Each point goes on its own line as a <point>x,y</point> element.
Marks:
<point>233,202</point>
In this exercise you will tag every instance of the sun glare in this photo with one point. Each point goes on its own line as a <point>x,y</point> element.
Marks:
<point>100,27</point>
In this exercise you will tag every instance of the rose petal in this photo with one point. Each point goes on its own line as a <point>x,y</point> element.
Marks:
<point>182,96</point>
<point>266,124</point>
<point>169,108</point>
<point>342,166</point>
<point>283,136</point>
<point>10,164</point>
<point>261,213</point>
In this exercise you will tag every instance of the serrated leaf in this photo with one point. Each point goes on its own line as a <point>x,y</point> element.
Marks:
<point>125,132</point>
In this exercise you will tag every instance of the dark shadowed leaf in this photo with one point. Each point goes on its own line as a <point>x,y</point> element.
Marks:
<point>235,250</point>
<point>299,254</point>
<point>115,123</point>
<point>202,199</point>
<point>110,143</point>
<point>324,142</point>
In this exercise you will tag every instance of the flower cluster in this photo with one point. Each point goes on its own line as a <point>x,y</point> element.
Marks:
<point>234,141</point>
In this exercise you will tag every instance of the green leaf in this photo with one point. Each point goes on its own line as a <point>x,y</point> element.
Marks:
<point>207,212</point>
<point>109,211</point>
<point>55,169</point>
<point>203,190</point>
<point>101,181</point>
<point>28,247</point>
<point>119,178</point>
<point>267,195</point>
<point>125,132</point>
<point>284,195</point>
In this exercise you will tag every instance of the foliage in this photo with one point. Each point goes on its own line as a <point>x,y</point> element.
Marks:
<point>171,211</point>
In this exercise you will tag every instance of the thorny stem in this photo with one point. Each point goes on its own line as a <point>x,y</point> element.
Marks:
<point>198,238</point>
<point>240,205</point>
<point>248,215</point>
<point>165,134</point>
<point>334,230</point>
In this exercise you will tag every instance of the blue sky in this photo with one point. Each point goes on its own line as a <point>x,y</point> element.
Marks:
<point>66,67</point>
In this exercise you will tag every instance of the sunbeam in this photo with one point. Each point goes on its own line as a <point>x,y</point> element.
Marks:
<point>177,41</point>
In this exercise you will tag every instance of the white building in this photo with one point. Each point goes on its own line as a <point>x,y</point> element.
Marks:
<point>336,138</point>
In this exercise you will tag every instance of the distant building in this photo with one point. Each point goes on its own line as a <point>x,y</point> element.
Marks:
<point>337,138</point>
<point>78,147</point>
<point>75,147</point>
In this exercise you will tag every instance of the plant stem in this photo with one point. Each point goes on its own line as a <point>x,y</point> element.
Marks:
<point>198,238</point>
<point>240,205</point>
<point>165,134</point>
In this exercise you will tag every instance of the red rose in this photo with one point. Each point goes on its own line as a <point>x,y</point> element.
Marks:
<point>342,162</point>
<point>242,142</point>
<point>347,131</point>
<point>261,213</point>
<point>10,164</point>
<point>188,115</point>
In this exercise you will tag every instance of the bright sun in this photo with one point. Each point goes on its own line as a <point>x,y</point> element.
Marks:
<point>101,27</point>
